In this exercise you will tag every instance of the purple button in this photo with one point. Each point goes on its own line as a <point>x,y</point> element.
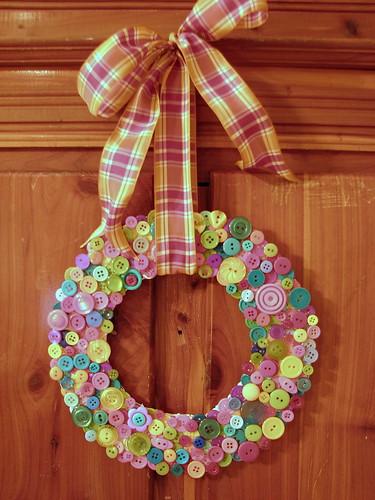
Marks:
<point>214,260</point>
<point>299,350</point>
<point>266,266</point>
<point>277,332</point>
<point>54,336</point>
<point>110,250</point>
<point>288,385</point>
<point>236,392</point>
<point>131,222</point>
<point>82,261</point>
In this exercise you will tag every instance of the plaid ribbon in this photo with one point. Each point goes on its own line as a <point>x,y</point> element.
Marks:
<point>150,78</point>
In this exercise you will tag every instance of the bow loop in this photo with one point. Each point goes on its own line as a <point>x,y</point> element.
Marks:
<point>212,20</point>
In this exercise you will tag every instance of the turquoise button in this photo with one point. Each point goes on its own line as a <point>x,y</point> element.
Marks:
<point>258,333</point>
<point>69,287</point>
<point>247,245</point>
<point>94,367</point>
<point>132,279</point>
<point>229,430</point>
<point>65,363</point>
<point>81,361</point>
<point>299,298</point>
<point>138,419</point>
<point>256,278</point>
<point>231,246</point>
<point>231,288</point>
<point>304,384</point>
<point>155,455</point>
<point>182,456</point>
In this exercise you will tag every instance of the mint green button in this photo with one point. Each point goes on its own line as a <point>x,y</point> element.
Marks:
<point>82,416</point>
<point>231,246</point>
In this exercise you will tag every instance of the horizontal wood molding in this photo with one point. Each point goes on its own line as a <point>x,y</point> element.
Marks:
<point>314,109</point>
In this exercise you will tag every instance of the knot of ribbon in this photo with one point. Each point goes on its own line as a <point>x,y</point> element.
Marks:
<point>149,77</point>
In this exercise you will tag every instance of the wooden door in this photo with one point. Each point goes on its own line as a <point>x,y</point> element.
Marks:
<point>313,67</point>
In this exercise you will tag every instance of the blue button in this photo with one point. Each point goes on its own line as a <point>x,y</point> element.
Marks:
<point>199,442</point>
<point>65,363</point>
<point>299,298</point>
<point>257,333</point>
<point>92,402</point>
<point>94,318</point>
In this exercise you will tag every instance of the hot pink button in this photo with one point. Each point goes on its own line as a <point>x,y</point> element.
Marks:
<point>248,451</point>
<point>277,331</point>
<point>268,368</point>
<point>100,381</point>
<point>298,319</point>
<point>212,469</point>
<point>251,260</point>
<point>57,319</point>
<point>282,265</point>
<point>216,454</point>
<point>131,221</point>
<point>270,298</point>
<point>214,260</point>
<point>250,313</point>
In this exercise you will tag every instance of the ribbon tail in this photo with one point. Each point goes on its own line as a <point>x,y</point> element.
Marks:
<point>239,111</point>
<point>99,231</point>
<point>175,237</point>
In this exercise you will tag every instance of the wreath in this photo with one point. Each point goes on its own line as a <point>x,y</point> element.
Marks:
<point>149,78</point>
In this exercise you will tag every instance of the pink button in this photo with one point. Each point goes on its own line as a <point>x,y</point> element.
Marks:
<point>250,313</point>
<point>288,385</point>
<point>251,260</point>
<point>200,259</point>
<point>86,389</point>
<point>184,441</point>
<point>277,332</point>
<point>223,404</point>
<point>69,350</point>
<point>125,457</point>
<point>116,418</point>
<point>270,298</point>
<point>299,350</point>
<point>77,322</point>
<point>67,305</point>
<point>100,300</point>
<point>82,345</point>
<point>216,454</point>
<point>287,415</point>
<point>150,272</point>
<point>229,445</point>
<point>91,333</point>
<point>100,381</point>
<point>191,425</point>
<point>124,431</point>
<point>264,443</point>
<point>161,443</point>
<point>197,453</point>
<point>139,462</point>
<point>131,222</point>
<point>143,262</point>
<point>271,277</point>
<point>83,303</point>
<point>298,319</point>
<point>268,368</point>
<point>256,377</point>
<point>313,332</point>
<point>257,237</point>
<point>282,265</point>
<point>263,319</point>
<point>248,451</point>
<point>212,469</point>
<point>223,417</point>
<point>57,319</point>
<point>116,298</point>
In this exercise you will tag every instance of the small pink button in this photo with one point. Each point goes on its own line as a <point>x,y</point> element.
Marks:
<point>313,332</point>
<point>77,322</point>
<point>100,381</point>
<point>91,333</point>
<point>110,250</point>
<point>100,300</point>
<point>298,319</point>
<point>86,389</point>
<point>229,445</point>
<point>216,454</point>
<point>139,462</point>
<point>299,350</point>
<point>257,377</point>
<point>116,418</point>
<point>131,222</point>
<point>263,319</point>
<point>287,415</point>
<point>251,260</point>
<point>250,313</point>
<point>268,368</point>
<point>223,417</point>
<point>125,457</point>
<point>288,385</point>
<point>67,305</point>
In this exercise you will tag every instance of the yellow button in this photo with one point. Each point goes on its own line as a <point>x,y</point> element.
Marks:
<point>291,366</point>
<point>312,320</point>
<point>143,228</point>
<point>196,469</point>
<point>300,335</point>
<point>270,250</point>
<point>256,358</point>
<point>209,239</point>
<point>80,376</point>
<point>106,435</point>
<point>199,223</point>
<point>54,351</point>
<point>273,428</point>
<point>169,433</point>
<point>205,271</point>
<point>308,370</point>
<point>264,397</point>
<point>156,427</point>
<point>268,385</point>
<point>96,244</point>
<point>169,455</point>
<point>250,392</point>
<point>151,216</point>
<point>88,284</point>
<point>56,373</point>
<point>75,274</point>
<point>112,399</point>
<point>107,326</point>
<point>67,273</point>
<point>162,468</point>
<point>99,351</point>
<point>111,452</point>
<point>253,432</point>
<point>130,233</point>
<point>222,234</point>
<point>231,270</point>
<point>287,283</point>
<point>279,399</point>
<point>227,460</point>
<point>71,338</point>
<point>218,219</point>
<point>120,265</point>
<point>139,444</point>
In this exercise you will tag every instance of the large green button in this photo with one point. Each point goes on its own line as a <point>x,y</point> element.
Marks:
<point>82,416</point>
<point>209,428</point>
<point>139,444</point>
<point>240,228</point>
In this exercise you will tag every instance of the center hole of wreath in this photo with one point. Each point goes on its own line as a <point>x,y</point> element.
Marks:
<point>181,343</point>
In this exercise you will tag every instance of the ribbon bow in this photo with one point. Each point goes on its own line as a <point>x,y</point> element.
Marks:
<point>149,76</point>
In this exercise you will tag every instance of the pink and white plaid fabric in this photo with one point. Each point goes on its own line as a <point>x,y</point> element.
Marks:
<point>150,78</point>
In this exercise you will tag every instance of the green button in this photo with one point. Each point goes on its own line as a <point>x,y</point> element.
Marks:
<point>240,228</point>
<point>209,428</point>
<point>139,444</point>
<point>247,245</point>
<point>256,278</point>
<point>279,399</point>
<point>299,298</point>
<point>229,430</point>
<point>304,384</point>
<point>120,265</point>
<point>231,246</point>
<point>177,470</point>
<point>82,416</point>
<point>209,239</point>
<point>100,417</point>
